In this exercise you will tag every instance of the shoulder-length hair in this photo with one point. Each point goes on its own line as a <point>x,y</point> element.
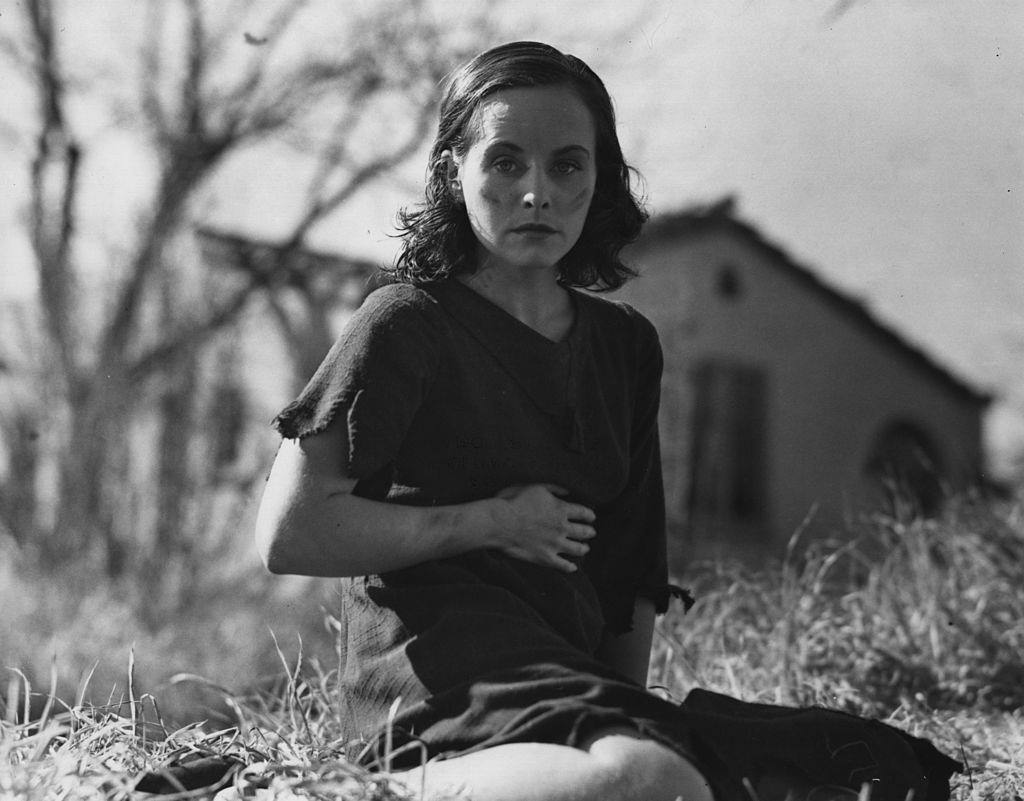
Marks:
<point>437,238</point>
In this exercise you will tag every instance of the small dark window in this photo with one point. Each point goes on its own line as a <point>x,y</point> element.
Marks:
<point>729,284</point>
<point>727,478</point>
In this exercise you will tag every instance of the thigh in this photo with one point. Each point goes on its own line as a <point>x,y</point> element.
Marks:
<point>618,765</point>
<point>641,768</point>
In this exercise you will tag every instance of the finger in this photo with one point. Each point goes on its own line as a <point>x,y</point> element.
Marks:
<point>576,511</point>
<point>554,489</point>
<point>575,548</point>
<point>547,559</point>
<point>580,531</point>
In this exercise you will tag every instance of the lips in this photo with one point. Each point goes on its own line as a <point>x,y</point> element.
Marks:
<point>535,228</point>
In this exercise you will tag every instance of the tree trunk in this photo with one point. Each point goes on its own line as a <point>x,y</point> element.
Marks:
<point>18,498</point>
<point>96,442</point>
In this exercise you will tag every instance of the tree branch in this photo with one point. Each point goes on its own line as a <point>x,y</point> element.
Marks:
<point>189,155</point>
<point>321,207</point>
<point>13,51</point>
<point>246,91</point>
<point>151,71</point>
<point>190,337</point>
<point>192,94</point>
<point>54,186</point>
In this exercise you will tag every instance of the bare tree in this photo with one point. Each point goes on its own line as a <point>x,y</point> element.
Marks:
<point>139,346</point>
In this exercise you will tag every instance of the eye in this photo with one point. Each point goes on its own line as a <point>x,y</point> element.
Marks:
<point>503,164</point>
<point>567,167</point>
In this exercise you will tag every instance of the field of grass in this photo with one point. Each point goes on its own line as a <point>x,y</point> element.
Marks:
<point>919,623</point>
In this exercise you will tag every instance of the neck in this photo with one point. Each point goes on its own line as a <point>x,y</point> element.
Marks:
<point>532,296</point>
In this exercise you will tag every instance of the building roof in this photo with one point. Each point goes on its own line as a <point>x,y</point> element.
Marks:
<point>721,217</point>
<point>282,263</point>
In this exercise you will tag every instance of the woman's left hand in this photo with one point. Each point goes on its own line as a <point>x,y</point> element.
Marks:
<point>535,524</point>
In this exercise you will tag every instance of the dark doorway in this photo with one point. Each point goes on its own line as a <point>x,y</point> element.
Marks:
<point>728,471</point>
<point>904,463</point>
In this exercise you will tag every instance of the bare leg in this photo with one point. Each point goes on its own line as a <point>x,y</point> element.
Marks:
<point>616,765</point>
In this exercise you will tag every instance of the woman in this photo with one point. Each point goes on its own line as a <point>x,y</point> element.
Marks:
<point>478,458</point>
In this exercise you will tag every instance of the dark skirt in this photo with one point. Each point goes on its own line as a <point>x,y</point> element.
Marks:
<point>745,751</point>
<point>477,656</point>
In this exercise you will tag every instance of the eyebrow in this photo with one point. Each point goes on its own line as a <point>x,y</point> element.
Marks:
<point>506,145</point>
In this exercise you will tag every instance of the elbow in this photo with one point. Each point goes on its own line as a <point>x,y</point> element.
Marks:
<point>287,546</point>
<point>272,545</point>
<point>278,567</point>
<point>269,549</point>
<point>278,559</point>
<point>275,562</point>
<point>291,513</point>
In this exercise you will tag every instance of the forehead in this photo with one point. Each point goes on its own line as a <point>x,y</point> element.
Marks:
<point>542,116</point>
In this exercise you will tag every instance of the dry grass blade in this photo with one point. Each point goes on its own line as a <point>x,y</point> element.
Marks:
<point>83,685</point>
<point>12,700</point>
<point>924,633</point>
<point>225,694</point>
<point>131,687</point>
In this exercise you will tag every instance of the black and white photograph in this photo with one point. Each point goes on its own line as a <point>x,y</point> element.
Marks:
<point>507,400</point>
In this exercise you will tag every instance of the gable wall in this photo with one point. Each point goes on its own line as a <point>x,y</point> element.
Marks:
<point>832,384</point>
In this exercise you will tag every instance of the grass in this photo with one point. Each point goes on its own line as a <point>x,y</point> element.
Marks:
<point>920,623</point>
<point>917,622</point>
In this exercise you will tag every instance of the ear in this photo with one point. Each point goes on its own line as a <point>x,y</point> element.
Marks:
<point>450,165</point>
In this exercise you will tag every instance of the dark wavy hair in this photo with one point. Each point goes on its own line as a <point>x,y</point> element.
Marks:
<point>437,238</point>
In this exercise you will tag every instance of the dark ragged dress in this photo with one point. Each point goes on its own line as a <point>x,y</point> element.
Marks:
<point>447,399</point>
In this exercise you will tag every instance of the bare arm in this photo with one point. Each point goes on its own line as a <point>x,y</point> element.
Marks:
<point>630,653</point>
<point>310,523</point>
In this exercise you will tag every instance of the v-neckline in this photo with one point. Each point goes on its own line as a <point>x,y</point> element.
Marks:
<point>515,322</point>
<point>546,370</point>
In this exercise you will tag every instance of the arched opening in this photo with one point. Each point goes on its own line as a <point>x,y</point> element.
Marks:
<point>904,463</point>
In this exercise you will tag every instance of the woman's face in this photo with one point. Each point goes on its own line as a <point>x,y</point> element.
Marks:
<point>528,176</point>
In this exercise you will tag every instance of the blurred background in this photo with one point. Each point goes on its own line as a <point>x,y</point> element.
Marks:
<point>195,193</point>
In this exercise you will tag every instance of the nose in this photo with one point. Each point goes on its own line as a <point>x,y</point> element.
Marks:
<point>536,194</point>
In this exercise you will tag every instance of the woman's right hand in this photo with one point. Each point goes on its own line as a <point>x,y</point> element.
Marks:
<point>535,524</point>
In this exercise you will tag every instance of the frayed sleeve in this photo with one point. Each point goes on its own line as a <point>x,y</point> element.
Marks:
<point>636,565</point>
<point>374,378</point>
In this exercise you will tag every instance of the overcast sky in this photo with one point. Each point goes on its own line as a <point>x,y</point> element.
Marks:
<point>880,142</point>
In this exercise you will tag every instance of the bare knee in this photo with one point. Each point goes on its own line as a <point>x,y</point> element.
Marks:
<point>631,768</point>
